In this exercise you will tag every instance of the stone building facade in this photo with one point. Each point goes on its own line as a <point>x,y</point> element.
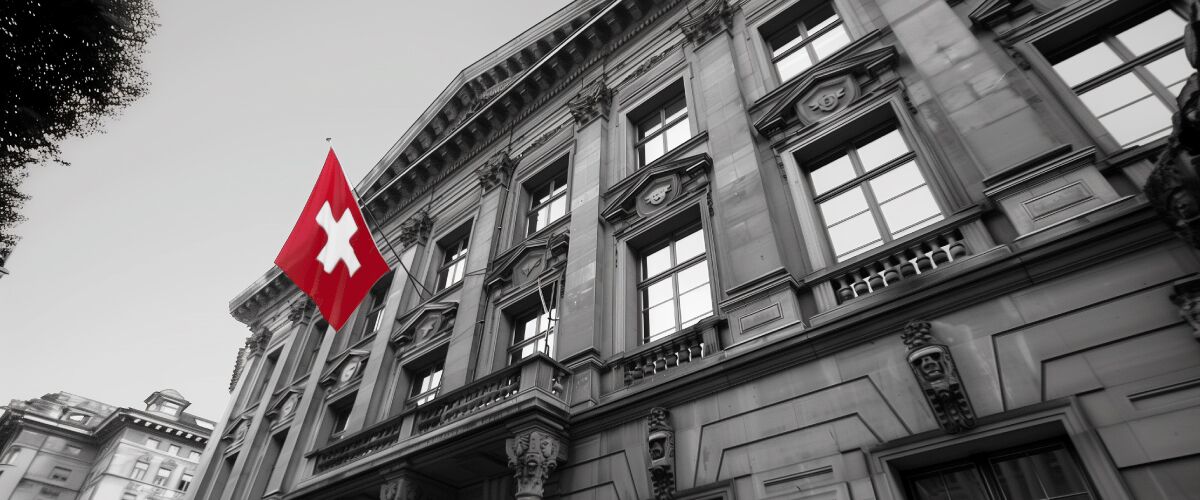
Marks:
<point>62,446</point>
<point>711,249</point>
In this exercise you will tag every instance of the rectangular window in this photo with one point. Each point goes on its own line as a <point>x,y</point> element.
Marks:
<point>153,443</point>
<point>339,416</point>
<point>454,263</point>
<point>426,384</point>
<point>870,192</point>
<point>375,302</point>
<point>803,35</point>
<point>194,456</point>
<point>185,482</point>
<point>173,449</point>
<point>60,473</point>
<point>169,408</point>
<point>535,332</point>
<point>161,477</point>
<point>139,470</point>
<point>661,124</point>
<point>547,201</point>
<point>1128,76</point>
<point>674,284</point>
<point>1040,473</point>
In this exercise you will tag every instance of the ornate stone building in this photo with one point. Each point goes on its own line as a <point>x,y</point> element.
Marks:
<point>63,446</point>
<point>719,249</point>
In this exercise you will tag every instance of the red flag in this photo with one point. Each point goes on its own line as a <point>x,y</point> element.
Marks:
<point>330,254</point>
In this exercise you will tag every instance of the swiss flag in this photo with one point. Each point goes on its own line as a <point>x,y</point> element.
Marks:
<point>330,254</point>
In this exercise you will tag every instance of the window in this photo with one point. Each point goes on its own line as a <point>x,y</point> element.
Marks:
<point>534,333</point>
<point>1128,76</point>
<point>60,473</point>
<point>169,408</point>
<point>153,443</point>
<point>674,284</point>
<point>173,449</point>
<point>803,35</point>
<point>454,263</point>
<point>426,384</point>
<point>139,470</point>
<point>10,456</point>
<point>871,191</point>
<point>339,416</point>
<point>661,124</point>
<point>548,200</point>
<point>194,456</point>
<point>376,299</point>
<point>1039,473</point>
<point>78,418</point>
<point>161,477</point>
<point>185,482</point>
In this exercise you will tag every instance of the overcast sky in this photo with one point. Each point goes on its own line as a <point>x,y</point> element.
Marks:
<point>121,283</point>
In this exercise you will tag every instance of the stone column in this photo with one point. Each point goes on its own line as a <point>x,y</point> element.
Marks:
<point>533,454</point>
<point>580,331</point>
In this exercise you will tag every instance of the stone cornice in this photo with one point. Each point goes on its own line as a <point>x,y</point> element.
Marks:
<point>707,20</point>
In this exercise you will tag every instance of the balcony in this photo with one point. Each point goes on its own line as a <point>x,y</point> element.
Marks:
<point>533,383</point>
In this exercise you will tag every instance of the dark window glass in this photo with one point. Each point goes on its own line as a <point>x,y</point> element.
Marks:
<point>1042,472</point>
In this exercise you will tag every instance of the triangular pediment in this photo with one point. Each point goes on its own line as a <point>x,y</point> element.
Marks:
<point>237,431</point>
<point>275,409</point>
<point>425,322</point>
<point>653,188</point>
<point>340,371</point>
<point>529,259</point>
<point>832,85</point>
<point>991,12</point>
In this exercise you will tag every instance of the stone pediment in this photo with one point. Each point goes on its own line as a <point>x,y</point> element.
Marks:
<point>828,88</point>
<point>529,260</point>
<point>283,405</point>
<point>237,431</point>
<point>991,12</point>
<point>429,321</point>
<point>345,368</point>
<point>652,189</point>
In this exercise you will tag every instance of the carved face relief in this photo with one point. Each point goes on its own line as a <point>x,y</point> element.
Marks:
<point>657,194</point>
<point>931,367</point>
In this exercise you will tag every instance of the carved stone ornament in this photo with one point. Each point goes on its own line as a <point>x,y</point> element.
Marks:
<point>495,171</point>
<point>657,194</point>
<point>257,342</point>
<point>1187,297</point>
<point>301,310</point>
<point>592,102</point>
<point>402,487</point>
<point>1173,188</point>
<point>533,456</point>
<point>827,98</point>
<point>430,321</point>
<point>238,364</point>
<point>707,19</point>
<point>661,444</point>
<point>415,230</point>
<point>938,378</point>
<point>345,369</point>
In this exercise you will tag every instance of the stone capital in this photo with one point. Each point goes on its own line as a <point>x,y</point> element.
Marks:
<point>592,102</point>
<point>533,455</point>
<point>496,171</point>
<point>257,342</point>
<point>707,19</point>
<point>415,230</point>
<point>301,310</point>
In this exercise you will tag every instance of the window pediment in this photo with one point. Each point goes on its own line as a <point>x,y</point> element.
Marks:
<point>283,405</point>
<point>529,260</point>
<point>427,322</point>
<point>344,369</point>
<point>831,86</point>
<point>655,188</point>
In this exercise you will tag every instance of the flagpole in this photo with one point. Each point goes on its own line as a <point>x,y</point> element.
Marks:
<point>367,214</point>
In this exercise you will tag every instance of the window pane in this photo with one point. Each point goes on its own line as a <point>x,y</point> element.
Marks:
<point>652,150</point>
<point>855,232</point>
<point>1058,473</point>
<point>831,175</point>
<point>843,206</point>
<point>1171,68</point>
<point>661,319</point>
<point>649,126</point>
<point>931,488</point>
<point>558,208</point>
<point>678,134</point>
<point>695,305</point>
<point>882,150</point>
<point>693,276</point>
<point>783,40</point>
<point>1114,94</point>
<point>658,262</point>
<point>1133,123</point>
<point>793,64</point>
<point>830,42</point>
<point>689,246</point>
<point>897,181</point>
<point>1087,64</point>
<point>675,109</point>
<point>820,18</point>
<point>916,206</point>
<point>659,292</point>
<point>1152,33</point>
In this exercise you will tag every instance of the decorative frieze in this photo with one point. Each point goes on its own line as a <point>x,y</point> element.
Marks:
<point>495,171</point>
<point>592,102</point>
<point>415,230</point>
<point>938,378</point>
<point>533,455</point>
<point>660,441</point>
<point>707,20</point>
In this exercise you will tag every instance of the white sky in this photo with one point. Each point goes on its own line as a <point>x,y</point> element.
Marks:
<point>121,283</point>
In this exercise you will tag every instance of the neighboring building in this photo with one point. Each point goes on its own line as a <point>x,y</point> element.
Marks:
<point>843,249</point>
<point>62,446</point>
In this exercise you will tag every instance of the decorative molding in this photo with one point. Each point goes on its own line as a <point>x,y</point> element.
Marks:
<point>496,171</point>
<point>257,342</point>
<point>403,486</point>
<point>301,310</point>
<point>1187,297</point>
<point>660,441</point>
<point>592,102</point>
<point>826,89</point>
<point>415,230</point>
<point>707,20</point>
<point>936,374</point>
<point>990,13</point>
<point>238,365</point>
<point>533,455</point>
<point>427,322</point>
<point>345,369</point>
<point>645,66</point>
<point>530,259</point>
<point>652,189</point>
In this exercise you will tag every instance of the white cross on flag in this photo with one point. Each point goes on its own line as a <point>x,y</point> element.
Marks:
<point>330,254</point>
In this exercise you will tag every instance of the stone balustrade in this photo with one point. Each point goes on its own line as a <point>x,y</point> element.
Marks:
<point>919,257</point>
<point>696,342</point>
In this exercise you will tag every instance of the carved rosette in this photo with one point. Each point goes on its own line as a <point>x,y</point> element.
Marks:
<point>301,310</point>
<point>1173,188</point>
<point>660,440</point>
<point>592,102</point>
<point>415,230</point>
<point>495,171</point>
<point>708,19</point>
<point>533,456</point>
<point>938,378</point>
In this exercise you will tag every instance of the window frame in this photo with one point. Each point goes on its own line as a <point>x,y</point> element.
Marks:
<point>558,169</point>
<point>655,103</point>
<point>155,445</point>
<point>185,482</point>
<point>417,376</point>
<point>372,315</point>
<point>643,282</point>
<point>140,468</point>
<point>984,466</point>
<point>159,478</point>
<point>58,473</point>
<point>521,317</point>
<point>795,16</point>
<point>453,250</point>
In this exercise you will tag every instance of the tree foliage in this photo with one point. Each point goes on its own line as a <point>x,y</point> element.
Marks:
<point>66,65</point>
